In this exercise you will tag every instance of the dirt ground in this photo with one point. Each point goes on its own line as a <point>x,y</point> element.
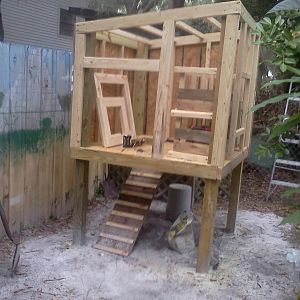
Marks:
<point>252,263</point>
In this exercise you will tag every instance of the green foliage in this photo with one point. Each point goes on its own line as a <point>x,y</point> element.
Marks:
<point>281,33</point>
<point>274,100</point>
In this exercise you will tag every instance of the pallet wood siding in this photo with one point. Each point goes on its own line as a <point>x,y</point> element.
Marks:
<point>36,172</point>
<point>188,56</point>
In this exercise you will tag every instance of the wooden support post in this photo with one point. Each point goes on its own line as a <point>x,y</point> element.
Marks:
<point>211,191</point>
<point>252,96</point>
<point>224,84</point>
<point>164,89</point>
<point>234,196</point>
<point>237,89</point>
<point>77,100</point>
<point>89,93</point>
<point>80,201</point>
<point>140,91</point>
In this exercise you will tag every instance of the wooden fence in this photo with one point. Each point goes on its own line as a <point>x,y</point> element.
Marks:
<point>36,173</point>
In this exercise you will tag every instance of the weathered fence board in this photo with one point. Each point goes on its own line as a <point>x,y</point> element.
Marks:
<point>36,172</point>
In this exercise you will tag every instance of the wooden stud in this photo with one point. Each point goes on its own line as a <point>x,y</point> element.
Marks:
<point>247,17</point>
<point>204,84</point>
<point>211,191</point>
<point>191,114</point>
<point>80,202</point>
<point>234,196</point>
<point>224,85</point>
<point>252,96</point>
<point>140,92</point>
<point>164,89</point>
<point>116,39</point>
<point>130,64</point>
<point>89,93</point>
<point>195,12</point>
<point>195,70</point>
<point>77,100</point>
<point>132,36</point>
<point>237,89</point>
<point>189,29</point>
<point>214,22</point>
<point>151,29</point>
<point>189,40</point>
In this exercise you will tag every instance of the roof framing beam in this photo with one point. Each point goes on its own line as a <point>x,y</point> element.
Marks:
<point>189,29</point>
<point>214,22</point>
<point>152,30</point>
<point>177,14</point>
<point>189,40</point>
<point>131,36</point>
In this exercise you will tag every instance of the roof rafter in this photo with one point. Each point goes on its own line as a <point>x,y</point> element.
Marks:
<point>189,29</point>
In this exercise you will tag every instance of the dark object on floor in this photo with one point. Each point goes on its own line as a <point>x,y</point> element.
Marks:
<point>109,188</point>
<point>16,257</point>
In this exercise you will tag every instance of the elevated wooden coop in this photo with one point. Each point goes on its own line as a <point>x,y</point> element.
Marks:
<point>182,79</point>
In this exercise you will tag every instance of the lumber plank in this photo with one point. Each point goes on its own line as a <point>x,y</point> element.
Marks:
<point>208,213</point>
<point>89,94</point>
<point>141,184</point>
<point>131,36</point>
<point>193,135</point>
<point>106,36</point>
<point>189,29</point>
<point>189,40</point>
<point>214,22</point>
<point>237,89</point>
<point>117,238</point>
<point>152,30</point>
<point>122,226</point>
<point>132,204</point>
<point>192,148</point>
<point>140,91</point>
<point>223,92</point>
<point>195,70</point>
<point>77,99</point>
<point>164,89</point>
<point>234,196</point>
<point>137,194</point>
<point>127,215</point>
<point>80,202</point>
<point>195,12</point>
<point>196,94</point>
<point>146,174</point>
<point>199,105</point>
<point>191,114</point>
<point>111,249</point>
<point>113,63</point>
<point>248,127</point>
<point>123,221</point>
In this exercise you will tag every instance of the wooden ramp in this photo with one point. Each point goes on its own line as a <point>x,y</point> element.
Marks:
<point>119,234</point>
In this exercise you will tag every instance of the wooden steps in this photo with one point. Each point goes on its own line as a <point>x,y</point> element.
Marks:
<point>120,232</point>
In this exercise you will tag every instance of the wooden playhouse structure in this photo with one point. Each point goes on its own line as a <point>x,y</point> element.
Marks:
<point>188,93</point>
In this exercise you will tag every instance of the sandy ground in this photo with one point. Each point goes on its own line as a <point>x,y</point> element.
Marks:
<point>252,264</point>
